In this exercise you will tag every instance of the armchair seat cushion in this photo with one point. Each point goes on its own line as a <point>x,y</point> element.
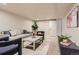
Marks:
<point>7,49</point>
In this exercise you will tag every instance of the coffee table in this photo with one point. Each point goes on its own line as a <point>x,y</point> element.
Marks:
<point>33,41</point>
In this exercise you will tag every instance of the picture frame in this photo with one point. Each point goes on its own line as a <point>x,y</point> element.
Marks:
<point>73,18</point>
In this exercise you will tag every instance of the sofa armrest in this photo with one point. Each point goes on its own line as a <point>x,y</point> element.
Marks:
<point>4,38</point>
<point>11,43</point>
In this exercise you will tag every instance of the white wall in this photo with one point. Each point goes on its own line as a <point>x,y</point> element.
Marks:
<point>27,25</point>
<point>59,26</point>
<point>9,21</point>
<point>74,32</point>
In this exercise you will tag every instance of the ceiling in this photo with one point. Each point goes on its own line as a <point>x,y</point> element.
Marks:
<point>38,11</point>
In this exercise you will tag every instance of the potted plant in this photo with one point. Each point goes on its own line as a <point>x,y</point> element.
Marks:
<point>64,38</point>
<point>34,28</point>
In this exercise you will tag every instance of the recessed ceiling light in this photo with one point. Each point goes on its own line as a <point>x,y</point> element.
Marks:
<point>37,19</point>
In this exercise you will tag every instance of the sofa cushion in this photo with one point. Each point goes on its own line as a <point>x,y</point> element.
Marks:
<point>26,32</point>
<point>19,36</point>
<point>15,32</point>
<point>6,49</point>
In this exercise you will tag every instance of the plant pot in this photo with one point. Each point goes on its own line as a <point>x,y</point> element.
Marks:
<point>65,40</point>
<point>34,32</point>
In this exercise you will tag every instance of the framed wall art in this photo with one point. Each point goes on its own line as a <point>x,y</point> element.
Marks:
<point>72,18</point>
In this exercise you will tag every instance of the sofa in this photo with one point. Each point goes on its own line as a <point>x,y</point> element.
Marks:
<point>10,41</point>
<point>17,33</point>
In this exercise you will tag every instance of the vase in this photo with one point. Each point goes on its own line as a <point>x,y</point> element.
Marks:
<point>65,40</point>
<point>34,33</point>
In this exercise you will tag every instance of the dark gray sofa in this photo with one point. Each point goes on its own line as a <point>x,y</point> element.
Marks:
<point>12,43</point>
<point>11,47</point>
